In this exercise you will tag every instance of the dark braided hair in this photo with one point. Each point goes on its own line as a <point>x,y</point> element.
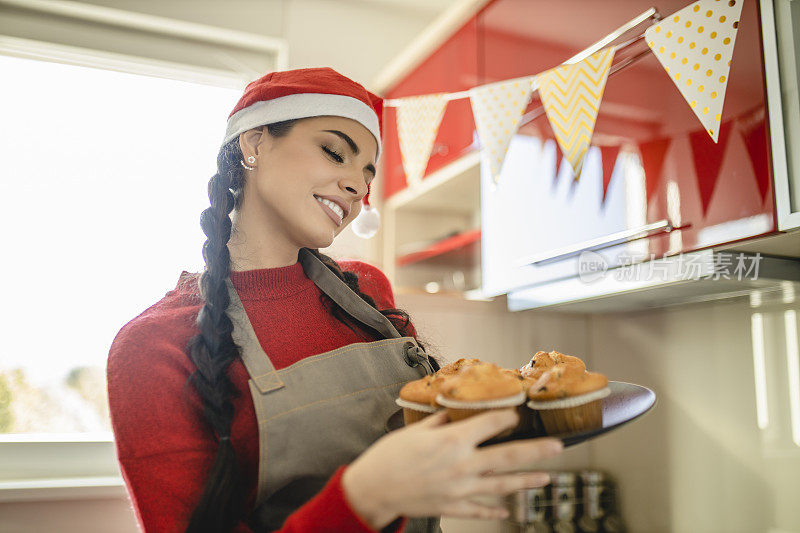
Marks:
<point>212,350</point>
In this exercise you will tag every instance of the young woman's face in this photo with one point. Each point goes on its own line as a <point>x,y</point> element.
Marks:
<point>321,156</point>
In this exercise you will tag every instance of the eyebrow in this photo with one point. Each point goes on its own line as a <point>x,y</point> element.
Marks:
<point>353,146</point>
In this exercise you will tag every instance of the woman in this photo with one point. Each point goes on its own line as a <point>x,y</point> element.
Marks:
<point>241,402</point>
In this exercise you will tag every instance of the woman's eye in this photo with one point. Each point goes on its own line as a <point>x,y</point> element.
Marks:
<point>337,156</point>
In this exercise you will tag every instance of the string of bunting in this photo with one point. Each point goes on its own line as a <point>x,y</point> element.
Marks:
<point>694,46</point>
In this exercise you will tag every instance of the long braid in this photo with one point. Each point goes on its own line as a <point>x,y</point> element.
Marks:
<point>212,350</point>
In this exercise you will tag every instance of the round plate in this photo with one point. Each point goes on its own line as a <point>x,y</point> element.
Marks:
<point>626,402</point>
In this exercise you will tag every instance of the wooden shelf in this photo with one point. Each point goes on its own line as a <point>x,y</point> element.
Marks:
<point>463,244</point>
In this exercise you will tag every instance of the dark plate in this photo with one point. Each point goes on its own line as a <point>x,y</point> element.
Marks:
<point>626,402</point>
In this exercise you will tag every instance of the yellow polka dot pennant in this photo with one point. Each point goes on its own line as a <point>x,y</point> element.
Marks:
<point>695,46</point>
<point>571,95</point>
<point>418,120</point>
<point>497,109</point>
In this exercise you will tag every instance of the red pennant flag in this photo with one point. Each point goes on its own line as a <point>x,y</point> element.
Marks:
<point>707,156</point>
<point>609,156</point>
<point>755,138</point>
<point>653,153</point>
<point>559,157</point>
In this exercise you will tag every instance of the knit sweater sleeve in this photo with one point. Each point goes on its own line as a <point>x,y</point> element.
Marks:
<point>164,446</point>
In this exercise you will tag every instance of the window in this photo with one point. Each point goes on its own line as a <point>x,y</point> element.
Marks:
<point>102,181</point>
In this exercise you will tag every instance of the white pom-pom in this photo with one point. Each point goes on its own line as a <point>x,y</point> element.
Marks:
<point>367,222</point>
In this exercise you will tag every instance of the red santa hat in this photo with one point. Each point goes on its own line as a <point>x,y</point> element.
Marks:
<point>302,93</point>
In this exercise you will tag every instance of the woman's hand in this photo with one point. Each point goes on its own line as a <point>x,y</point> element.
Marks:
<point>431,468</point>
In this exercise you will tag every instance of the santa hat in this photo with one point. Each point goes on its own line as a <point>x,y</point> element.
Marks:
<point>302,93</point>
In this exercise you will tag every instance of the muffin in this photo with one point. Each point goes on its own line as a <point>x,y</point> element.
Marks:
<point>455,367</point>
<point>568,399</point>
<point>418,398</point>
<point>478,388</point>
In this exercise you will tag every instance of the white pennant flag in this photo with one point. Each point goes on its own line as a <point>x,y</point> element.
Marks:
<point>497,109</point>
<point>418,120</point>
<point>695,46</point>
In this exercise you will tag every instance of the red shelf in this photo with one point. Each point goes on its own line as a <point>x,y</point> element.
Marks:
<point>461,242</point>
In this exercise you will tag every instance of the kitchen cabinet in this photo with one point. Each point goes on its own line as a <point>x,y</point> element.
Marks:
<point>653,182</point>
<point>654,185</point>
<point>432,231</point>
<point>431,239</point>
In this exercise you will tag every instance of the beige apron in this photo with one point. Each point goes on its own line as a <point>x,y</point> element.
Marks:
<point>323,411</point>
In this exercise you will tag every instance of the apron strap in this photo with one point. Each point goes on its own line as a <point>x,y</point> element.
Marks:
<point>339,292</point>
<point>261,370</point>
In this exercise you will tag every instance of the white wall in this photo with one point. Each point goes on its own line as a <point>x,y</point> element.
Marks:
<point>698,462</point>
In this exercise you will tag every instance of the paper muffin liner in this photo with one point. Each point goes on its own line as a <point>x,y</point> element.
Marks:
<point>458,410</point>
<point>498,403</point>
<point>568,415</point>
<point>413,411</point>
<point>424,407</point>
<point>572,401</point>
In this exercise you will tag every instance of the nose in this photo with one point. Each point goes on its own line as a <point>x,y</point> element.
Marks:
<point>353,184</point>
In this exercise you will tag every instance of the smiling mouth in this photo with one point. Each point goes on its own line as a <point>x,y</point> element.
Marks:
<point>330,212</point>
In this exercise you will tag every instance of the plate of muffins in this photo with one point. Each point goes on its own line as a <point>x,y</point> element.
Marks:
<point>554,394</point>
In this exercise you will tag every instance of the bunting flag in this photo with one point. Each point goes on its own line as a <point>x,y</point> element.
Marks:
<point>708,160</point>
<point>557,159</point>
<point>653,153</point>
<point>418,120</point>
<point>608,154</point>
<point>497,109</point>
<point>753,129</point>
<point>695,46</point>
<point>571,96</point>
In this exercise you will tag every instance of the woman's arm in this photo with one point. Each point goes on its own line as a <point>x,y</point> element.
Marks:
<point>164,446</point>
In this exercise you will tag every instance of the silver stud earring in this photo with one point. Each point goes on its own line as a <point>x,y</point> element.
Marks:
<point>250,160</point>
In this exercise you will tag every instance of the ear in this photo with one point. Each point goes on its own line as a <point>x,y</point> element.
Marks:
<point>252,142</point>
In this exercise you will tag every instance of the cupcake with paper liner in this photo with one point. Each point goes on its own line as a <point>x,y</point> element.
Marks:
<point>569,399</point>
<point>418,398</point>
<point>478,388</point>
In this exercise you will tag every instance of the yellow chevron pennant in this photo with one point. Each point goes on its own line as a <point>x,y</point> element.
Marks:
<point>418,120</point>
<point>571,96</point>
<point>497,109</point>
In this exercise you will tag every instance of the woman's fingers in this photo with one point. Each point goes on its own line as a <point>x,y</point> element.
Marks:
<point>501,484</point>
<point>469,509</point>
<point>479,428</point>
<point>511,454</point>
<point>436,419</point>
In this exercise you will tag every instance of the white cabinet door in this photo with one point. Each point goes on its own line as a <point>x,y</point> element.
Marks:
<point>781,30</point>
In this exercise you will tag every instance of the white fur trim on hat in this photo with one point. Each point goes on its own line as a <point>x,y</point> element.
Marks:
<point>301,106</point>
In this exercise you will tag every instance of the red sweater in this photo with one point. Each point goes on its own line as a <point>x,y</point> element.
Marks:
<point>164,444</point>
